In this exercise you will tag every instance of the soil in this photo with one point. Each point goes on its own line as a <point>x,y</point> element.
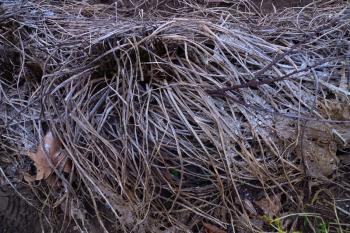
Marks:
<point>16,215</point>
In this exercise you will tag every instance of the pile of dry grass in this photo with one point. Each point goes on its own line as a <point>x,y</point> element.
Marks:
<point>212,114</point>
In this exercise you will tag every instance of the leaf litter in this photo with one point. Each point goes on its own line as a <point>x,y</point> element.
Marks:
<point>270,205</point>
<point>136,96</point>
<point>48,157</point>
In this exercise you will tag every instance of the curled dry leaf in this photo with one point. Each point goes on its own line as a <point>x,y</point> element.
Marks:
<point>212,229</point>
<point>48,157</point>
<point>271,206</point>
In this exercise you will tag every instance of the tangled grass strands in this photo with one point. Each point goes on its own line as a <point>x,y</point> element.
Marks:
<point>127,95</point>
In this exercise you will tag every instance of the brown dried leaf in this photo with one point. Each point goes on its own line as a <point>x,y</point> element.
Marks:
<point>47,157</point>
<point>271,206</point>
<point>339,110</point>
<point>212,229</point>
<point>320,158</point>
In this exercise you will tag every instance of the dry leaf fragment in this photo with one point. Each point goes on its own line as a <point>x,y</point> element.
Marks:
<point>212,229</point>
<point>270,206</point>
<point>47,157</point>
<point>320,158</point>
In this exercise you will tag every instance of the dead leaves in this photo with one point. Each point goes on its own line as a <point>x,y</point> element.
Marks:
<point>338,110</point>
<point>271,206</point>
<point>320,158</point>
<point>212,229</point>
<point>319,145</point>
<point>48,157</point>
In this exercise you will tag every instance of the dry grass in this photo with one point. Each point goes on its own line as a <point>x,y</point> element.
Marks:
<point>159,114</point>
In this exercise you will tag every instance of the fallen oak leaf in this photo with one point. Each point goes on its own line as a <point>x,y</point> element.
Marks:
<point>43,170</point>
<point>212,229</point>
<point>47,157</point>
